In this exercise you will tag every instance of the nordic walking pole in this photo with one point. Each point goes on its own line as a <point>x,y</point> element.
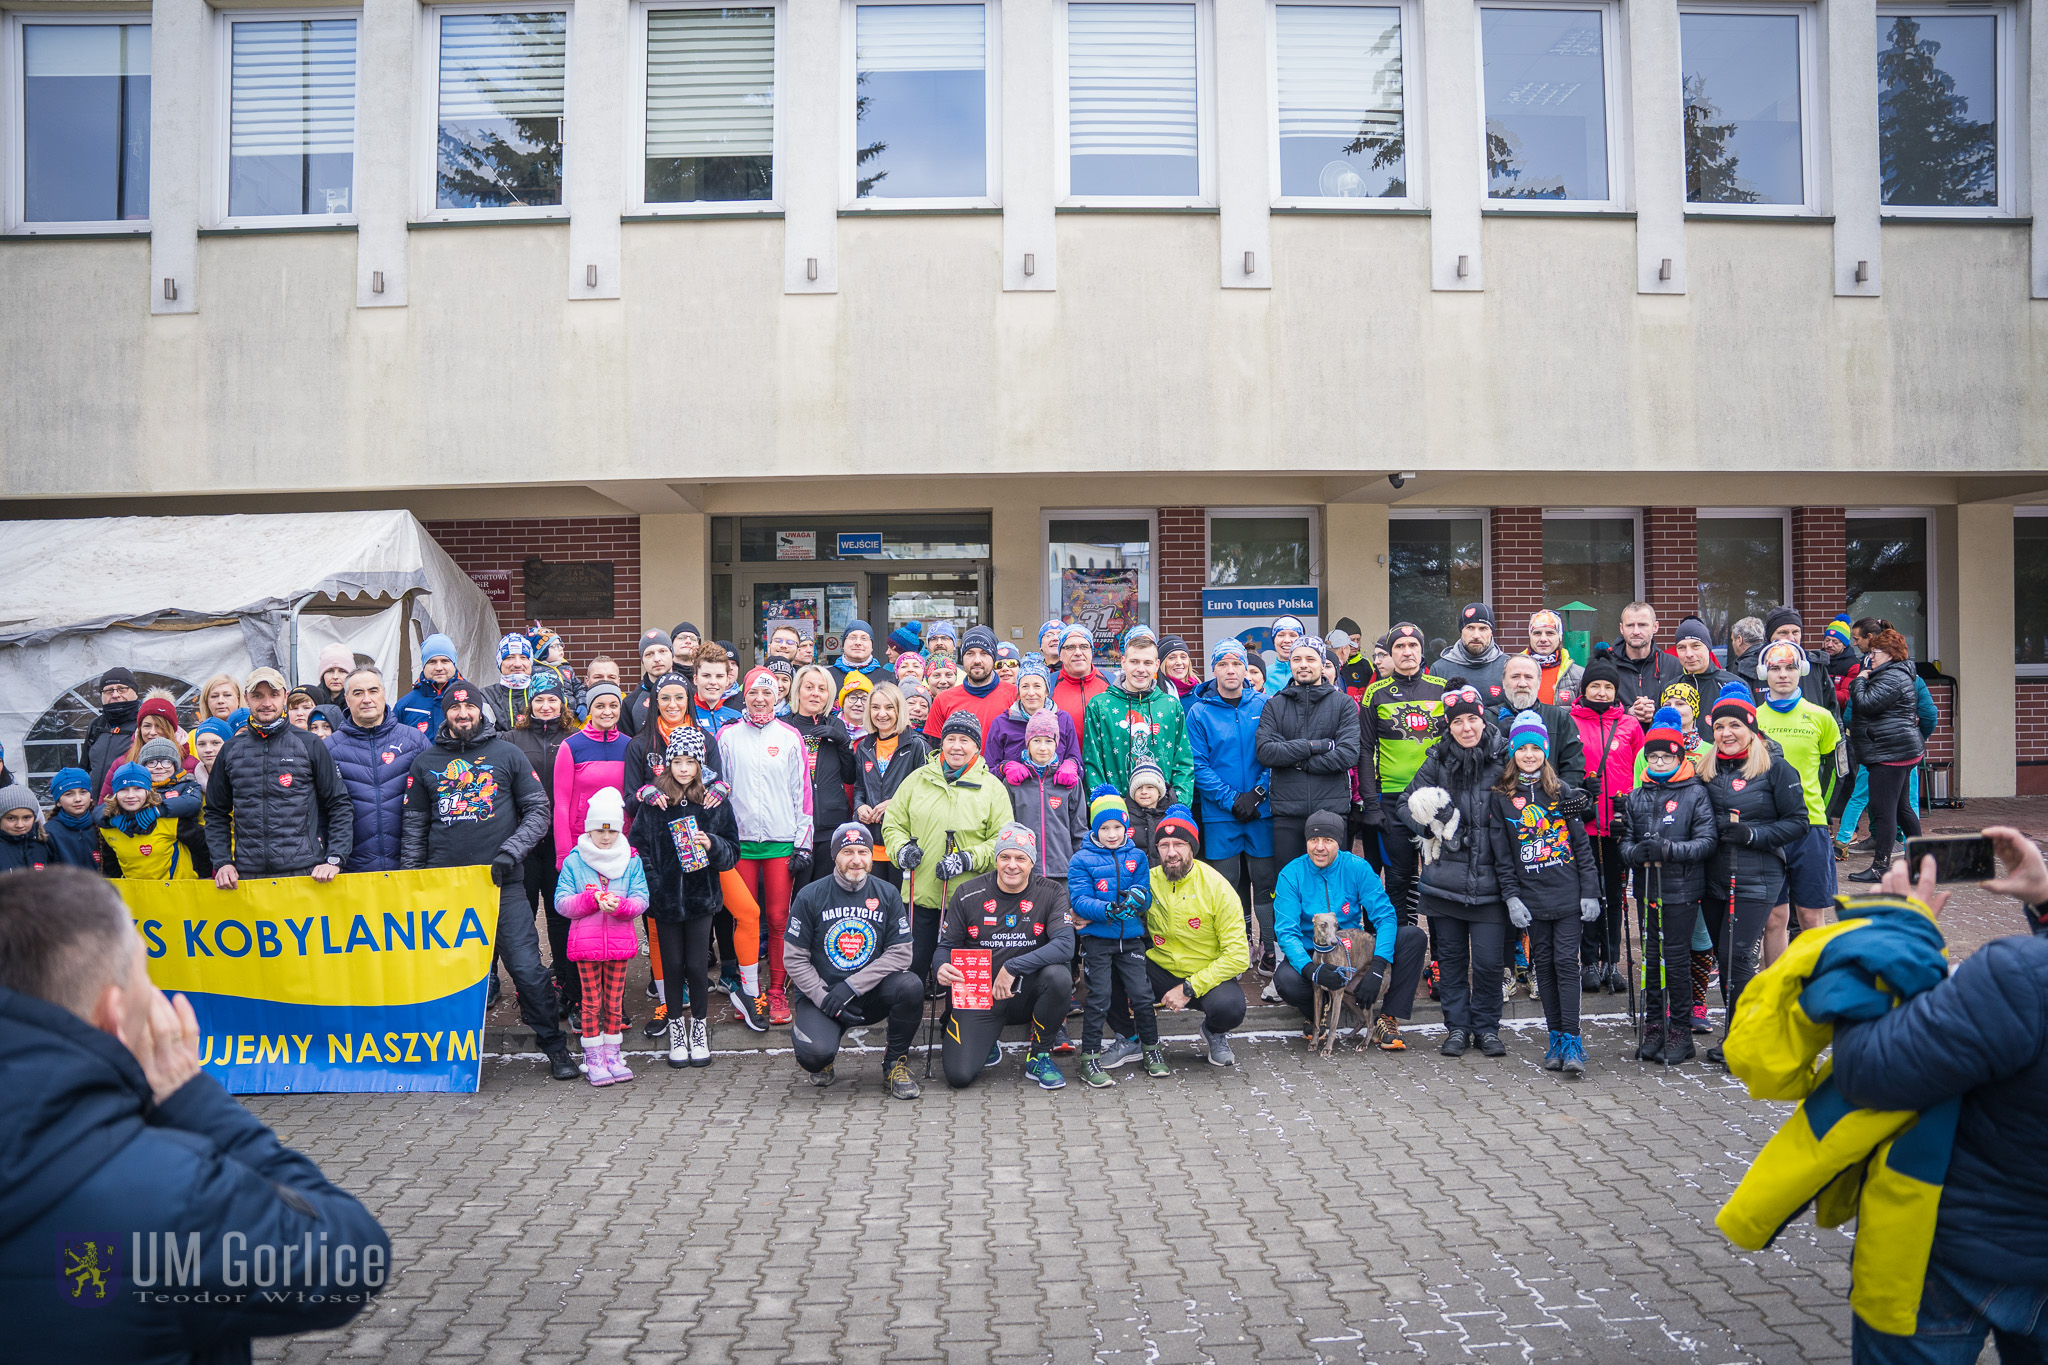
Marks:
<point>1628,948</point>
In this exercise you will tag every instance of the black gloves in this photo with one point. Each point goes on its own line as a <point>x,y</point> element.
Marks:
<point>1575,803</point>
<point>954,864</point>
<point>837,999</point>
<point>1738,834</point>
<point>800,865</point>
<point>1330,976</point>
<point>909,856</point>
<point>1651,851</point>
<point>1371,814</point>
<point>1246,807</point>
<point>504,868</point>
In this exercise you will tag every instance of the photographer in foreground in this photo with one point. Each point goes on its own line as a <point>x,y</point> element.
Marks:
<point>1981,1036</point>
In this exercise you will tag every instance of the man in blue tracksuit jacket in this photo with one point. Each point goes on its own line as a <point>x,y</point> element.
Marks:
<point>421,707</point>
<point>1328,879</point>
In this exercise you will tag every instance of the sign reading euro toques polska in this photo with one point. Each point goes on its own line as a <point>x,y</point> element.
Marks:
<point>373,981</point>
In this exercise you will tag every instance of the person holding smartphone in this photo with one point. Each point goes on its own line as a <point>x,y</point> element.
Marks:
<point>1980,1036</point>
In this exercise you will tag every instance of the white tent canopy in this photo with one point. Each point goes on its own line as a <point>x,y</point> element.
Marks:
<point>177,599</point>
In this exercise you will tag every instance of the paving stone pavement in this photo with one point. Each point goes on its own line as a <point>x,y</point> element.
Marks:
<point>1365,1208</point>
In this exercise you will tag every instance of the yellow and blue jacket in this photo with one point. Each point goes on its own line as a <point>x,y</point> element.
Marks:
<point>1884,1168</point>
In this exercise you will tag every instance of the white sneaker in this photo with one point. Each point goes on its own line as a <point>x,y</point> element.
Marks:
<point>700,1043</point>
<point>1270,995</point>
<point>678,1043</point>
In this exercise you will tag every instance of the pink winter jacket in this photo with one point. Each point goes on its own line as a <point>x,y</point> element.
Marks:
<point>1616,734</point>
<point>594,935</point>
<point>588,760</point>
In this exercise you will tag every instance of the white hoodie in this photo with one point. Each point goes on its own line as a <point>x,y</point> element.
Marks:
<point>771,782</point>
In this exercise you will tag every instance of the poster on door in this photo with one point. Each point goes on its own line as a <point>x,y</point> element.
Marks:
<point>1104,600</point>
<point>796,613</point>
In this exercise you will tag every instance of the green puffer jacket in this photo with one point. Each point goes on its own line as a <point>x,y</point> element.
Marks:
<point>1117,727</point>
<point>973,806</point>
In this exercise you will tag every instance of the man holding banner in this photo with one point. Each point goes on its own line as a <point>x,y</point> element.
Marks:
<point>475,801</point>
<point>272,788</point>
<point>145,1214</point>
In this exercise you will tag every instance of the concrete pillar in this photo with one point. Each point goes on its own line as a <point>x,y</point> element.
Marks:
<point>1017,558</point>
<point>808,178</point>
<point>1450,94</point>
<point>384,118</point>
<point>1974,589</point>
<point>181,81</point>
<point>1655,99</point>
<point>1026,193</point>
<point>1851,27</point>
<point>1244,187</point>
<point>1354,566</point>
<point>596,174</point>
<point>675,570</point>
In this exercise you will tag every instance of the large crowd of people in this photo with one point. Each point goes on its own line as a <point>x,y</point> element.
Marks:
<point>819,840</point>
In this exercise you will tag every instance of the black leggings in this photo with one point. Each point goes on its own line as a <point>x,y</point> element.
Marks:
<point>1554,962</point>
<point>898,1001</point>
<point>1890,810</point>
<point>686,956</point>
<point>1222,1008</point>
<point>1263,873</point>
<point>1040,997</point>
<point>1738,948</point>
<point>1603,938</point>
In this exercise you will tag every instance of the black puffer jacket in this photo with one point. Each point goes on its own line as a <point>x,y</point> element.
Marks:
<point>674,895</point>
<point>1463,872</point>
<point>1308,736</point>
<point>1756,819</point>
<point>832,769</point>
<point>1884,715</point>
<point>271,789</point>
<point>1679,815</point>
<point>872,785</point>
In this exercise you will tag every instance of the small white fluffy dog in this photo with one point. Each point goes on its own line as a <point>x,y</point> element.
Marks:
<point>1426,804</point>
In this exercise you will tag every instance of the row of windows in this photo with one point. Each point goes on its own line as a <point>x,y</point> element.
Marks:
<point>1135,103</point>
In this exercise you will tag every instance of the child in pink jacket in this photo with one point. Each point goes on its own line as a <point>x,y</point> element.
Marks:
<point>1612,739</point>
<point>601,891</point>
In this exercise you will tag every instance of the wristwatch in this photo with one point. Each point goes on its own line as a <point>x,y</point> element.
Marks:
<point>333,862</point>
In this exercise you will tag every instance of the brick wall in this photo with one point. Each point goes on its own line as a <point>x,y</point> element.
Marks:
<point>1671,568</point>
<point>2030,735</point>
<point>1820,544</point>
<point>1180,569</point>
<point>1515,549</point>
<point>507,544</point>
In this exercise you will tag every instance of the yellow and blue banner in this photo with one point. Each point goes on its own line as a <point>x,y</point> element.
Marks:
<point>374,981</point>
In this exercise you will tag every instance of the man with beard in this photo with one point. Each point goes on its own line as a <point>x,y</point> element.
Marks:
<point>475,802</point>
<point>272,789</point>
<point>1476,656</point>
<point>1308,738</point>
<point>847,950</point>
<point>684,642</point>
<point>657,661</point>
<point>980,690</point>
<point>1521,682</point>
<point>1199,947</point>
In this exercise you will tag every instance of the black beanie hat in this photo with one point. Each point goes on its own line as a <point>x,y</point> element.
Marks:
<point>1475,611</point>
<point>1349,627</point>
<point>1782,616</point>
<point>1602,669</point>
<point>1692,628</point>
<point>118,675</point>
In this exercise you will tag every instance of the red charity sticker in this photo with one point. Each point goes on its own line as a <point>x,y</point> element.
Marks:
<point>1520,802</point>
<point>1738,784</point>
<point>873,903</point>
<point>284,779</point>
<point>388,755</point>
<point>1670,806</point>
<point>1194,921</point>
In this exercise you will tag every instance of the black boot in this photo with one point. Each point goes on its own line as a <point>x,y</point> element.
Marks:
<point>559,1065</point>
<point>1652,1048</point>
<point>1874,873</point>
<point>1590,977</point>
<point>1678,1043</point>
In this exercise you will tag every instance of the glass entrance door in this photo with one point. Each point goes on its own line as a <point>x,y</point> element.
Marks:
<point>929,595</point>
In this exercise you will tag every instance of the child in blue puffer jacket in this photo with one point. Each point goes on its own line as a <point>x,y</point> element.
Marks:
<point>1109,888</point>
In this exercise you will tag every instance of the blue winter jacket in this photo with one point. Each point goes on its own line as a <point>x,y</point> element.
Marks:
<point>375,767</point>
<point>421,707</point>
<point>1981,1035</point>
<point>1223,736</point>
<point>93,1173</point>
<point>1096,876</point>
<point>1347,888</point>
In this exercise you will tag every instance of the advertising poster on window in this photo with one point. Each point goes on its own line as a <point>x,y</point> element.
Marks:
<point>1104,600</point>
<point>796,613</point>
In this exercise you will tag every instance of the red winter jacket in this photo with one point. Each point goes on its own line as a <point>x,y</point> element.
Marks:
<point>1616,734</point>
<point>1072,696</point>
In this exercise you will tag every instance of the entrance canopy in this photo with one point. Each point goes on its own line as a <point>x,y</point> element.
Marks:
<point>177,599</point>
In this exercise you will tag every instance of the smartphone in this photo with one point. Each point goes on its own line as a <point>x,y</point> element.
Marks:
<point>1961,858</point>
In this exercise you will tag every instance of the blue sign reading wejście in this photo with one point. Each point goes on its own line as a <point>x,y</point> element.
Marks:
<point>853,543</point>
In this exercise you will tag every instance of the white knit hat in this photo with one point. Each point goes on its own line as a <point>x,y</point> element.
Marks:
<point>607,811</point>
